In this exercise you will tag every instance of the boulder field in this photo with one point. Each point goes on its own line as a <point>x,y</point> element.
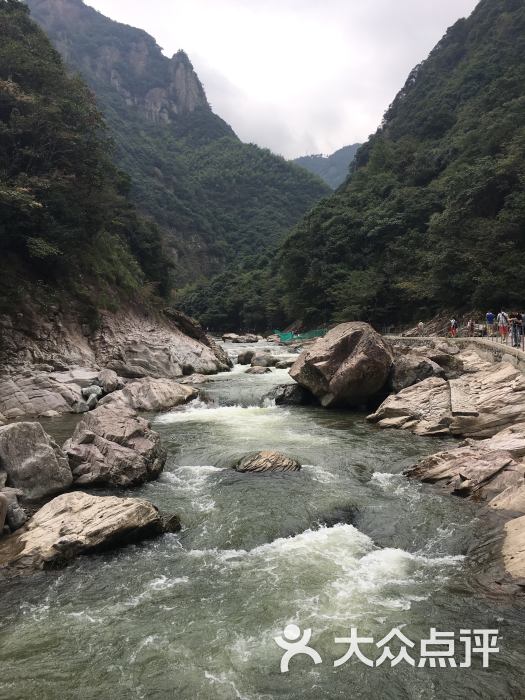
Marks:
<point>46,361</point>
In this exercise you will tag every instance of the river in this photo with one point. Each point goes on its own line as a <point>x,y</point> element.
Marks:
<point>345,543</point>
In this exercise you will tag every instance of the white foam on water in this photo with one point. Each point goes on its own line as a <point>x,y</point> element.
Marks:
<point>223,414</point>
<point>163,582</point>
<point>224,680</point>
<point>320,474</point>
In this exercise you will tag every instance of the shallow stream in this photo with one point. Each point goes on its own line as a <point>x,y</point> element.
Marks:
<point>346,542</point>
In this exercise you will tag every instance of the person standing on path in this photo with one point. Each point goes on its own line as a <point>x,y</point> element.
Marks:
<point>453,327</point>
<point>503,323</point>
<point>490,323</point>
<point>420,328</point>
<point>522,323</point>
<point>515,320</point>
<point>470,328</point>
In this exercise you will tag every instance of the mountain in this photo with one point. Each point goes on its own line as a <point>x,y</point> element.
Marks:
<point>216,199</point>
<point>432,214</point>
<point>334,168</point>
<point>66,224</point>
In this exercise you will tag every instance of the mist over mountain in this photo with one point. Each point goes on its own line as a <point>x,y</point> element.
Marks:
<point>215,198</point>
<point>333,168</point>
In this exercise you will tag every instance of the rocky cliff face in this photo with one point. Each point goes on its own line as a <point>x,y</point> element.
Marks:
<point>136,69</point>
<point>46,358</point>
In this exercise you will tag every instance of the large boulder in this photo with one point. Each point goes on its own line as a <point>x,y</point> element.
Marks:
<point>113,446</point>
<point>292,395</point>
<point>258,370</point>
<point>38,393</point>
<point>350,364</point>
<point>444,356</point>
<point>245,358</point>
<point>34,463</point>
<point>76,523</point>
<point>264,359</point>
<point>228,337</point>
<point>267,461</point>
<point>475,406</point>
<point>407,371</point>
<point>149,394</point>
<point>108,380</point>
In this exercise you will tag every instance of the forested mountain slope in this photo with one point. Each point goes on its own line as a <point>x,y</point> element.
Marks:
<point>215,198</point>
<point>64,215</point>
<point>333,168</point>
<point>433,214</point>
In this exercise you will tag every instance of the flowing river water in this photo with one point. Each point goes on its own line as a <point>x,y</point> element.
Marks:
<point>345,543</point>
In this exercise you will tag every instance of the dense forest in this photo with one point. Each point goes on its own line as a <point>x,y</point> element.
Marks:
<point>433,214</point>
<point>216,199</point>
<point>333,168</point>
<point>64,211</point>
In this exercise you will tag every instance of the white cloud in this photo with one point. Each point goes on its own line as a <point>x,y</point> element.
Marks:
<point>297,76</point>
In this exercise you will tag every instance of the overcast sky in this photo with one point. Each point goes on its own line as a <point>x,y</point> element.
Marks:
<point>296,76</point>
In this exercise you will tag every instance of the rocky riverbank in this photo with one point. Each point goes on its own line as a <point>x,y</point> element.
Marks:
<point>437,390</point>
<point>59,364</point>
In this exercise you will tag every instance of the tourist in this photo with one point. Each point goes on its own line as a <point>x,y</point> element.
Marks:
<point>470,328</point>
<point>453,326</point>
<point>420,328</point>
<point>515,319</point>
<point>503,323</point>
<point>522,324</point>
<point>490,323</point>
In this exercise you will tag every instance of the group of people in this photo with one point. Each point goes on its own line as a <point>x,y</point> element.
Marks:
<point>513,324</point>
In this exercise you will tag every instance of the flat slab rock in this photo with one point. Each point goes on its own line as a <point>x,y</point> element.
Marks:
<point>267,461</point>
<point>73,524</point>
<point>494,399</point>
<point>490,471</point>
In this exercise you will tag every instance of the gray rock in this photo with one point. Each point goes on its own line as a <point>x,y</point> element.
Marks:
<point>15,517</point>
<point>73,524</point>
<point>292,395</point>
<point>114,446</point>
<point>258,370</point>
<point>79,407</point>
<point>171,523</point>
<point>263,359</point>
<point>108,380</point>
<point>245,358</point>
<point>408,370</point>
<point>92,402</point>
<point>267,461</point>
<point>285,364</point>
<point>149,394</point>
<point>92,390</point>
<point>33,461</point>
<point>350,364</point>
